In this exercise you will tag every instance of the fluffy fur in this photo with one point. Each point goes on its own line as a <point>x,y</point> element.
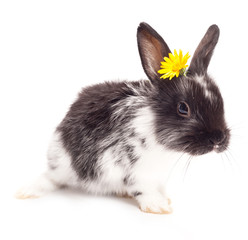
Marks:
<point>119,138</point>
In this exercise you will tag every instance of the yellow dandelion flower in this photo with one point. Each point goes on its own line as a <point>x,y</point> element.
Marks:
<point>174,65</point>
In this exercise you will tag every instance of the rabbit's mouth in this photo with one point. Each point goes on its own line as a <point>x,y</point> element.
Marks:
<point>222,144</point>
<point>217,141</point>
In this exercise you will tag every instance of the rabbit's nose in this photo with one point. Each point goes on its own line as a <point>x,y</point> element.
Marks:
<point>216,138</point>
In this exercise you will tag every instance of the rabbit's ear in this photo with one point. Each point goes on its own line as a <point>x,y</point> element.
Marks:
<point>152,50</point>
<point>204,51</point>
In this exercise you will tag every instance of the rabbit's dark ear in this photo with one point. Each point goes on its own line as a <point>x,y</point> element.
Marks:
<point>152,50</point>
<point>204,51</point>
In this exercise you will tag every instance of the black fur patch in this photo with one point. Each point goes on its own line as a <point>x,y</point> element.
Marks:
<point>136,194</point>
<point>128,180</point>
<point>91,126</point>
<point>51,165</point>
<point>132,133</point>
<point>130,151</point>
<point>143,142</point>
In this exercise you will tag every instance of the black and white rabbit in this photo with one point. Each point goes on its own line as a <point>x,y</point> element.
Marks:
<point>118,137</point>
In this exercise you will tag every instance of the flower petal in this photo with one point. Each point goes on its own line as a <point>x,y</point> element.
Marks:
<point>174,65</point>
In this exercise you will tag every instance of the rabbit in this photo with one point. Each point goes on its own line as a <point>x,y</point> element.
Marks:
<point>118,137</point>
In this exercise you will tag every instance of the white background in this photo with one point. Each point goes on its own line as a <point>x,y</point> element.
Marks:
<point>49,50</point>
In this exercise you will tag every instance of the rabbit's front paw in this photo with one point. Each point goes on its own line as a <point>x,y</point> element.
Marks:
<point>154,203</point>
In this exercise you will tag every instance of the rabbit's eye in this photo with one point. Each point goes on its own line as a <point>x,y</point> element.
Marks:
<point>183,109</point>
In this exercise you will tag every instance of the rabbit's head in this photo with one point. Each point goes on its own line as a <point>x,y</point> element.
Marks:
<point>189,109</point>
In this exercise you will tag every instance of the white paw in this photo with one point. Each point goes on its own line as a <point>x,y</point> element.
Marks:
<point>154,203</point>
<point>28,192</point>
<point>36,189</point>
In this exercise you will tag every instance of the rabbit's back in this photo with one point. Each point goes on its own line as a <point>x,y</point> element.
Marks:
<point>99,124</point>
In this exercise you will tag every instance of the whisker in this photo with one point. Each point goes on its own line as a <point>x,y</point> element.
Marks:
<point>233,159</point>
<point>236,126</point>
<point>235,131</point>
<point>230,153</point>
<point>174,166</point>
<point>223,161</point>
<point>187,166</point>
<point>230,162</point>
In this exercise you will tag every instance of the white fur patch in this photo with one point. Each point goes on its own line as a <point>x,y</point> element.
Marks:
<point>63,174</point>
<point>203,84</point>
<point>153,166</point>
<point>112,175</point>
